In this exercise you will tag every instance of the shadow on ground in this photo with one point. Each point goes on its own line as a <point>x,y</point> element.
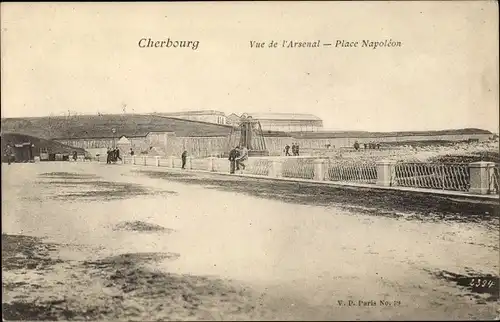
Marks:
<point>400,204</point>
<point>90,187</point>
<point>120,287</point>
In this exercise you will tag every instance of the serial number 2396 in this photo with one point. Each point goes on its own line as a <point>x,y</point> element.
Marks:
<point>478,282</point>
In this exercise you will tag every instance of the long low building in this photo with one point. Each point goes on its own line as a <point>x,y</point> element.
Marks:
<point>288,122</point>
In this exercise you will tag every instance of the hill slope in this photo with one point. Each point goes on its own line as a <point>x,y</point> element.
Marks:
<point>51,146</point>
<point>100,126</point>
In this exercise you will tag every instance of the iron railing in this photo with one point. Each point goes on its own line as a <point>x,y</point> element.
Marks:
<point>352,172</point>
<point>432,175</point>
<point>258,166</point>
<point>443,176</point>
<point>302,168</point>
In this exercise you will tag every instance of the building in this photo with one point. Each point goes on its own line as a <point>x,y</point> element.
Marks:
<point>233,119</point>
<point>288,122</point>
<point>209,116</point>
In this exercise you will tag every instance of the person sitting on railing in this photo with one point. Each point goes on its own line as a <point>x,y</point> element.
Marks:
<point>243,157</point>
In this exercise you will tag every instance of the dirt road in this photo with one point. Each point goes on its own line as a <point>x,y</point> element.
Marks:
<point>94,241</point>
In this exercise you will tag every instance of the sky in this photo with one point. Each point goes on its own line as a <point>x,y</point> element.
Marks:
<point>84,58</point>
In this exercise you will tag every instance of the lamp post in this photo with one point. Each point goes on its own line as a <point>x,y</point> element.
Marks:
<point>114,131</point>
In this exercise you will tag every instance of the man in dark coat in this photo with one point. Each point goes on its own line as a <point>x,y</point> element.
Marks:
<point>108,158</point>
<point>9,152</point>
<point>117,154</point>
<point>287,150</point>
<point>184,158</point>
<point>294,149</point>
<point>233,154</point>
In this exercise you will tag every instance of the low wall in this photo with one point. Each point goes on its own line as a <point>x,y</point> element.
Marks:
<point>170,145</point>
<point>477,178</point>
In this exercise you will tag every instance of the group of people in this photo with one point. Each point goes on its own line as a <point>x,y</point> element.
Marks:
<point>238,158</point>
<point>295,150</point>
<point>113,155</point>
<point>370,145</point>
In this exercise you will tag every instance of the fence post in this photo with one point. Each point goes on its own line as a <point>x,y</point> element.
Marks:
<point>133,160</point>
<point>211,164</point>
<point>385,169</point>
<point>157,161</point>
<point>144,160</point>
<point>319,170</point>
<point>171,161</point>
<point>276,169</point>
<point>480,177</point>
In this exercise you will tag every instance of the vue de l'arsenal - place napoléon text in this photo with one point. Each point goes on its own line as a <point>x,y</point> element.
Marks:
<point>342,44</point>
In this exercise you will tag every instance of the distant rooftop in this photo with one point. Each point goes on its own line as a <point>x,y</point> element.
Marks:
<point>204,112</point>
<point>284,116</point>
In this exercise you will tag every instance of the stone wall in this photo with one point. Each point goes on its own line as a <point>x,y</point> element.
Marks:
<point>170,145</point>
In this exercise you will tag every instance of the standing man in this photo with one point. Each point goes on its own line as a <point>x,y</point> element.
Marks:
<point>233,154</point>
<point>108,158</point>
<point>294,149</point>
<point>287,150</point>
<point>131,152</point>
<point>9,153</point>
<point>184,158</point>
<point>117,154</point>
<point>297,149</point>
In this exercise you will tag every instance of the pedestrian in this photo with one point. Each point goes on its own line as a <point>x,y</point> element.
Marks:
<point>297,149</point>
<point>109,156</point>
<point>117,154</point>
<point>242,158</point>
<point>131,152</point>
<point>294,149</point>
<point>233,154</point>
<point>287,150</point>
<point>75,155</point>
<point>9,153</point>
<point>356,145</point>
<point>184,157</point>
